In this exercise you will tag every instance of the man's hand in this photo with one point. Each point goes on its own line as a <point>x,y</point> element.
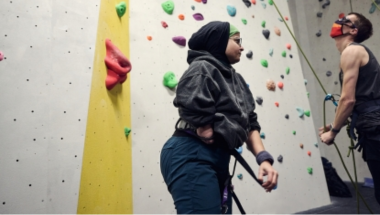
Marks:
<point>328,137</point>
<point>322,129</point>
<point>206,132</point>
<point>272,176</point>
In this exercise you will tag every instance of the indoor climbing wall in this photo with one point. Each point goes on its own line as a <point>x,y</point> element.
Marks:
<point>311,18</point>
<point>46,61</point>
<point>157,33</point>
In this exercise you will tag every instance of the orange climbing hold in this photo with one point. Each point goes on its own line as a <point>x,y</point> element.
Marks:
<point>277,104</point>
<point>288,46</point>
<point>253,1</point>
<point>309,153</point>
<point>118,66</point>
<point>181,17</point>
<point>199,1</point>
<point>341,15</point>
<point>280,85</point>
<point>149,38</point>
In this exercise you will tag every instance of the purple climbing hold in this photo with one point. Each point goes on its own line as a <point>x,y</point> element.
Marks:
<point>198,17</point>
<point>247,3</point>
<point>180,40</point>
<point>204,1</point>
<point>266,33</point>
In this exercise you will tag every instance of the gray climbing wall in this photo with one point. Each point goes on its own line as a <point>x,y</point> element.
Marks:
<point>307,24</point>
<point>45,84</point>
<point>154,116</point>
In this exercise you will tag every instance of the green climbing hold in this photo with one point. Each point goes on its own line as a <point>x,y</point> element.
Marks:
<point>316,145</point>
<point>270,2</point>
<point>263,24</point>
<point>168,6</point>
<point>262,135</point>
<point>307,113</point>
<point>169,80</point>
<point>287,70</point>
<point>127,131</point>
<point>294,132</point>
<point>121,8</point>
<point>264,63</point>
<point>283,53</point>
<point>244,21</point>
<point>308,94</point>
<point>310,170</point>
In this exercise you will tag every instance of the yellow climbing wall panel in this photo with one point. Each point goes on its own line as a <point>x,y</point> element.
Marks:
<point>106,180</point>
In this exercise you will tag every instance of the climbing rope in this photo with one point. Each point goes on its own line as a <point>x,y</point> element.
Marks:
<point>373,1</point>
<point>324,116</point>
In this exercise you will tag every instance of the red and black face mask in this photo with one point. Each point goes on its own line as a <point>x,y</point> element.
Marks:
<point>337,28</point>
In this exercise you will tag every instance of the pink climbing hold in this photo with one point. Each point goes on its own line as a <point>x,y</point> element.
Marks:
<point>118,66</point>
<point>164,24</point>
<point>286,18</point>
<point>288,46</point>
<point>280,85</point>
<point>198,17</point>
<point>1,56</point>
<point>180,40</point>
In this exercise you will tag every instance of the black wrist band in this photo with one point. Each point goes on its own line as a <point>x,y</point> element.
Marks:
<point>264,156</point>
<point>335,130</point>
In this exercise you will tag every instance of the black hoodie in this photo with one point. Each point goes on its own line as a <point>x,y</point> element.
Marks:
<point>211,92</point>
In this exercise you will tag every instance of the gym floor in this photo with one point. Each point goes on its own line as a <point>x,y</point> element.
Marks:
<point>348,205</point>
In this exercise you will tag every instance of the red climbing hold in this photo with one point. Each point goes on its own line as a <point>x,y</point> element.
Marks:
<point>341,15</point>
<point>286,18</point>
<point>309,153</point>
<point>164,24</point>
<point>118,66</point>
<point>280,85</point>
<point>253,1</point>
<point>277,104</point>
<point>288,46</point>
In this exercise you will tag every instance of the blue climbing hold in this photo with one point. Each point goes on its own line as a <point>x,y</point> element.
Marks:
<point>264,5</point>
<point>271,52</point>
<point>262,135</point>
<point>305,81</point>
<point>248,85</point>
<point>240,176</point>
<point>231,10</point>
<point>300,111</point>
<point>240,149</point>
<point>192,7</point>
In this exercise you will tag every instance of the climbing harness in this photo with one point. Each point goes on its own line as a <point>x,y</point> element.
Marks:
<point>183,126</point>
<point>327,98</point>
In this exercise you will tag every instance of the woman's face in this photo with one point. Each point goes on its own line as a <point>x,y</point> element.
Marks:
<point>234,48</point>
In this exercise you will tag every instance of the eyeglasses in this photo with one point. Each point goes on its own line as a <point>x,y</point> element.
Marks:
<point>239,41</point>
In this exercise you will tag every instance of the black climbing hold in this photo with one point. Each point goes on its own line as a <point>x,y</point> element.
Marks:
<point>326,4</point>
<point>287,116</point>
<point>335,82</point>
<point>324,59</point>
<point>259,100</point>
<point>266,33</point>
<point>291,56</point>
<point>282,76</point>
<point>280,158</point>
<point>319,14</point>
<point>319,33</point>
<point>249,54</point>
<point>247,3</point>
<point>328,73</point>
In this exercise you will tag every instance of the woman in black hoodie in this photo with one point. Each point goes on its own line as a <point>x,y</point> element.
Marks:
<point>216,110</point>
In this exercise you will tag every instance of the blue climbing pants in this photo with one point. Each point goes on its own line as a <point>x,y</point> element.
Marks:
<point>194,173</point>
